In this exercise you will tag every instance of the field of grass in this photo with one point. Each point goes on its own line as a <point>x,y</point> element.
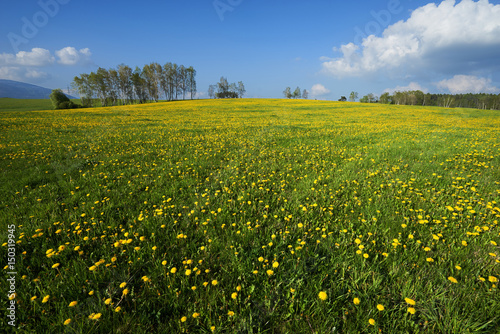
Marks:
<point>252,216</point>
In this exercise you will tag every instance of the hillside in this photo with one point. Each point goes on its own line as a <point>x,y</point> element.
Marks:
<point>21,90</point>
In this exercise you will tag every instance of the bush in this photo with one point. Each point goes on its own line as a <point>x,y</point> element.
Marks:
<point>61,101</point>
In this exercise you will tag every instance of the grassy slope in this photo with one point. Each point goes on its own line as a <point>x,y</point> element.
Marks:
<point>230,183</point>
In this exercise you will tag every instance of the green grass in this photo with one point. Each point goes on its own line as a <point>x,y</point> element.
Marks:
<point>379,203</point>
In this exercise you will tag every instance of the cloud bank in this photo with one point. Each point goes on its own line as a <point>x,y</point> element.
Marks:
<point>319,90</point>
<point>26,65</point>
<point>447,39</point>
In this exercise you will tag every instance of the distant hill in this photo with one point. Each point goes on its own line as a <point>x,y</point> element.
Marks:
<point>21,90</point>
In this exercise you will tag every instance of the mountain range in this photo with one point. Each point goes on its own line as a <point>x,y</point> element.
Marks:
<point>21,90</point>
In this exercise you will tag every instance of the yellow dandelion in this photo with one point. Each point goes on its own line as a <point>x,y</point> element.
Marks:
<point>492,279</point>
<point>91,293</point>
<point>55,265</point>
<point>275,264</point>
<point>196,315</point>
<point>452,279</point>
<point>125,292</point>
<point>234,295</point>
<point>67,322</point>
<point>322,295</point>
<point>188,272</point>
<point>261,259</point>
<point>411,310</point>
<point>73,304</point>
<point>371,322</point>
<point>122,285</point>
<point>45,299</point>
<point>118,309</point>
<point>173,270</point>
<point>164,263</point>
<point>430,259</point>
<point>270,272</point>
<point>145,278</point>
<point>230,313</point>
<point>107,301</point>
<point>214,282</point>
<point>380,307</point>
<point>184,319</point>
<point>410,301</point>
<point>356,301</point>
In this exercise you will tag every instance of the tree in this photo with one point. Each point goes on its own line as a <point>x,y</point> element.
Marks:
<point>211,91</point>
<point>296,93</point>
<point>61,101</point>
<point>222,87</point>
<point>287,93</point>
<point>241,89</point>
<point>343,99</point>
<point>305,94</point>
<point>385,98</point>
<point>353,96</point>
<point>191,82</point>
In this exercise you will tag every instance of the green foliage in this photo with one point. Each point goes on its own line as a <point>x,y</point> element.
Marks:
<point>61,101</point>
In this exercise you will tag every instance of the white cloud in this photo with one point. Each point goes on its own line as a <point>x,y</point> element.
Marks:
<point>443,38</point>
<point>319,90</point>
<point>467,84</point>
<point>71,56</point>
<point>35,57</point>
<point>22,74</point>
<point>410,87</point>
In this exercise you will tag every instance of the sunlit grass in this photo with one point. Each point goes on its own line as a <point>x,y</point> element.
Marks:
<point>249,216</point>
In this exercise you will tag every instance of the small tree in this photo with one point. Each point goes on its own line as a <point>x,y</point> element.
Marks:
<point>305,94</point>
<point>342,99</point>
<point>61,101</point>
<point>296,93</point>
<point>211,91</point>
<point>353,96</point>
<point>241,89</point>
<point>287,93</point>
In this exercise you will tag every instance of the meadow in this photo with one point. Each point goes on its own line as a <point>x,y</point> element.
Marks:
<point>252,216</point>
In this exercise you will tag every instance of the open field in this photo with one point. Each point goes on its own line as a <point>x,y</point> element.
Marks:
<point>252,216</point>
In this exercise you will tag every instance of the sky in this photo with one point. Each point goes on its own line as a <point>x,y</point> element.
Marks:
<point>329,48</point>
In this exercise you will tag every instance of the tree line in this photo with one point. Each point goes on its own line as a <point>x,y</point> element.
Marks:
<point>287,93</point>
<point>417,97</point>
<point>126,86</point>
<point>224,90</point>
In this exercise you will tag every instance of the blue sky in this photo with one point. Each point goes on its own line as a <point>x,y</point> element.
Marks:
<point>329,48</point>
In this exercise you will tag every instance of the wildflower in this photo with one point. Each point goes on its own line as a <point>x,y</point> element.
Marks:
<point>380,307</point>
<point>91,293</point>
<point>183,319</point>
<point>356,301</point>
<point>196,315</point>
<point>322,295</point>
<point>45,299</point>
<point>173,270</point>
<point>275,264</point>
<point>410,301</point>
<point>164,263</point>
<point>270,272</point>
<point>234,295</point>
<point>55,266</point>
<point>118,309</point>
<point>492,279</point>
<point>33,298</point>
<point>371,322</point>
<point>452,279</point>
<point>261,259</point>
<point>188,272</point>
<point>122,285</point>
<point>107,301</point>
<point>411,310</point>
<point>430,259</point>
<point>145,278</point>
<point>214,282</point>
<point>230,313</point>
<point>67,322</point>
<point>73,304</point>
<point>125,292</point>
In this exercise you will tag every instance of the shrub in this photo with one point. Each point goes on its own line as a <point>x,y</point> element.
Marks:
<point>61,101</point>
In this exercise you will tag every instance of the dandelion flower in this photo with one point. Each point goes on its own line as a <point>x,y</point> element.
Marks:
<point>67,322</point>
<point>122,285</point>
<point>356,301</point>
<point>410,301</point>
<point>430,259</point>
<point>196,315</point>
<point>73,304</point>
<point>371,321</point>
<point>452,279</point>
<point>230,313</point>
<point>234,295</point>
<point>261,259</point>
<point>107,301</point>
<point>270,272</point>
<point>380,307</point>
<point>411,310</point>
<point>125,292</point>
<point>55,265</point>
<point>183,319</point>
<point>188,272</point>
<point>45,299</point>
<point>492,279</point>
<point>322,295</point>
<point>118,309</point>
<point>173,270</point>
<point>164,263</point>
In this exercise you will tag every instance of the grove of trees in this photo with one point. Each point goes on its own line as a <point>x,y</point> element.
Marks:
<point>296,93</point>
<point>224,90</point>
<point>126,86</point>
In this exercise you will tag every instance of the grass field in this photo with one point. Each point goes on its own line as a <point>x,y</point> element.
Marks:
<point>252,216</point>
